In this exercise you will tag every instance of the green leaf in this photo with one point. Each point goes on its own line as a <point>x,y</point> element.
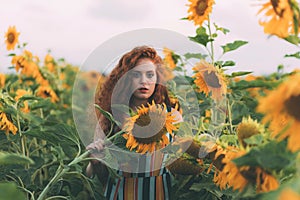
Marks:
<point>184,18</point>
<point>201,37</point>
<point>233,46</point>
<point>229,139</point>
<point>228,63</point>
<point>57,134</point>
<point>108,115</point>
<point>223,30</point>
<point>296,55</point>
<point>185,129</point>
<point>271,156</point>
<point>241,85</point>
<point>235,74</point>
<point>195,55</point>
<point>42,103</point>
<point>12,159</point>
<point>10,191</point>
<point>293,39</point>
<point>254,139</point>
<point>225,64</point>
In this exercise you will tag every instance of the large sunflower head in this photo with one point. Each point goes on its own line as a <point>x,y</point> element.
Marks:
<point>284,101</point>
<point>209,79</point>
<point>199,10</point>
<point>11,38</point>
<point>147,129</point>
<point>277,17</point>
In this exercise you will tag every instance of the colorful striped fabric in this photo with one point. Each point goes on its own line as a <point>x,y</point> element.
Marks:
<point>153,184</point>
<point>141,188</point>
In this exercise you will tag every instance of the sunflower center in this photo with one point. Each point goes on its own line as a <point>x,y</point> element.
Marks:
<point>47,94</point>
<point>211,79</point>
<point>293,107</point>
<point>201,7</point>
<point>11,38</point>
<point>278,11</point>
<point>149,128</point>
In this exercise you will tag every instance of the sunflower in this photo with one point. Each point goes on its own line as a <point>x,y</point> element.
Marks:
<point>229,175</point>
<point>247,128</point>
<point>29,67</point>
<point>11,38</point>
<point>45,92</point>
<point>265,182</point>
<point>6,125</point>
<point>49,63</point>
<point>20,93</point>
<point>186,166</point>
<point>191,146</point>
<point>281,106</point>
<point>199,10</point>
<point>25,62</point>
<point>278,17</point>
<point>2,80</point>
<point>169,61</point>
<point>152,120</point>
<point>209,79</point>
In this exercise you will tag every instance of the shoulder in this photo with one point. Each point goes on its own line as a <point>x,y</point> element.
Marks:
<point>177,115</point>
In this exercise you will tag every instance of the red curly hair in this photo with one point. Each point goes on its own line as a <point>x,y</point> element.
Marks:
<point>126,63</point>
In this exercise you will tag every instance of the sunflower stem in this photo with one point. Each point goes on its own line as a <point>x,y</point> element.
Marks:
<point>115,135</point>
<point>61,170</point>
<point>229,117</point>
<point>211,41</point>
<point>21,135</point>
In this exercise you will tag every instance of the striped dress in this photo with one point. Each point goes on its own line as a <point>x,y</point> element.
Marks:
<point>153,185</point>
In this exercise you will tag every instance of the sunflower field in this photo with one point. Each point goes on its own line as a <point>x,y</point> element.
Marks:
<point>244,136</point>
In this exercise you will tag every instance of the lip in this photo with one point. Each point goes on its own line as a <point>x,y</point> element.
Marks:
<point>143,90</point>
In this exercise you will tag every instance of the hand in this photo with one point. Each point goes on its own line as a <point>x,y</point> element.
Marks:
<point>97,149</point>
<point>97,152</point>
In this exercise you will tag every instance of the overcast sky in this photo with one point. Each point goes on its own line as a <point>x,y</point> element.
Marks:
<point>72,29</point>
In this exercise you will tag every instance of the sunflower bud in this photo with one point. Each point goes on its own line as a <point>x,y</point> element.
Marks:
<point>184,166</point>
<point>247,128</point>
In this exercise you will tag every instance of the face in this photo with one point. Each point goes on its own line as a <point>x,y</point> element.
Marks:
<point>143,77</point>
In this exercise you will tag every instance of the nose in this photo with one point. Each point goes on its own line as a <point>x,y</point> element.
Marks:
<point>143,79</point>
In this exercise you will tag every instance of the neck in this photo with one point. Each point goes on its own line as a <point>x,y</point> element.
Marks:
<point>138,102</point>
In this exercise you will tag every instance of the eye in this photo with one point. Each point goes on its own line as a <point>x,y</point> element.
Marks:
<point>135,74</point>
<point>150,74</point>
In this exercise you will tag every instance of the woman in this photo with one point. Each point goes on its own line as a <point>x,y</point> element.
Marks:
<point>138,79</point>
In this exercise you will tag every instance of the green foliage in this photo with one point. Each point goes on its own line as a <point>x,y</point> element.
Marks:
<point>201,36</point>
<point>295,55</point>
<point>270,156</point>
<point>12,159</point>
<point>233,46</point>
<point>9,190</point>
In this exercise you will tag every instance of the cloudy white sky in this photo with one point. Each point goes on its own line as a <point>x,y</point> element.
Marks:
<point>72,29</point>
